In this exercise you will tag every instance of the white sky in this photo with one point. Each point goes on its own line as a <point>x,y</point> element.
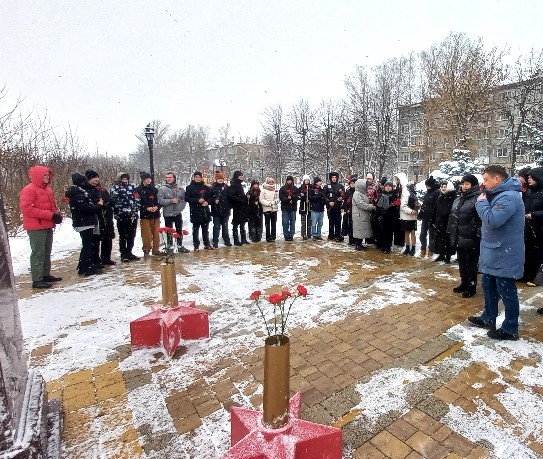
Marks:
<point>107,68</point>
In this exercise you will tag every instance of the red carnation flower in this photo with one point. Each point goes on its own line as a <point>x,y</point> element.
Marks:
<point>64,199</point>
<point>255,295</point>
<point>285,294</point>
<point>275,298</point>
<point>185,232</point>
<point>301,290</point>
<point>176,236</point>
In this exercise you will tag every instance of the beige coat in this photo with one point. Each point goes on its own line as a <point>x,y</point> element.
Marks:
<point>269,198</point>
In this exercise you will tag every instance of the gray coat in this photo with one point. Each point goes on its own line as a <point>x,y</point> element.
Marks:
<point>165,195</point>
<point>362,209</point>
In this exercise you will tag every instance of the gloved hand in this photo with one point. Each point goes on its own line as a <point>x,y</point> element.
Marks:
<point>57,218</point>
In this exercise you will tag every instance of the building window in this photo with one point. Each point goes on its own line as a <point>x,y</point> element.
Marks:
<point>502,116</point>
<point>404,158</point>
<point>502,133</point>
<point>501,152</point>
<point>505,95</point>
<point>405,129</point>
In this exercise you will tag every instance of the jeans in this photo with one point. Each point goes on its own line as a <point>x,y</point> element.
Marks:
<point>505,288</point>
<point>316,223</point>
<point>220,224</point>
<point>289,220</point>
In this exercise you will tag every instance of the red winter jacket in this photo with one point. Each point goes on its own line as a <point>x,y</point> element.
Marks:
<point>37,201</point>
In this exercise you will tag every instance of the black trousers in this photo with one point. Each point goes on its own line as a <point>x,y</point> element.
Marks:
<point>86,263</point>
<point>306,224</point>
<point>176,222</point>
<point>101,248</point>
<point>468,260</point>
<point>427,236</point>
<point>334,223</point>
<point>196,234</point>
<point>533,250</point>
<point>270,220</point>
<point>255,226</point>
<point>127,233</point>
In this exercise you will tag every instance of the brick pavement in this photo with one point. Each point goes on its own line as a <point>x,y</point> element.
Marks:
<point>327,363</point>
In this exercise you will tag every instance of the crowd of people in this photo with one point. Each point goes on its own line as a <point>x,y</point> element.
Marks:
<point>495,228</point>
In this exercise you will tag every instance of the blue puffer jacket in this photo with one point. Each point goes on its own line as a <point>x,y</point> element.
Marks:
<point>502,231</point>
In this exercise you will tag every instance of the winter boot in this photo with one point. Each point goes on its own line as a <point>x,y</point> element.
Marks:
<point>235,235</point>
<point>243,233</point>
<point>461,288</point>
<point>447,259</point>
<point>430,254</point>
<point>469,292</point>
<point>422,253</point>
<point>412,251</point>
<point>440,257</point>
<point>407,250</point>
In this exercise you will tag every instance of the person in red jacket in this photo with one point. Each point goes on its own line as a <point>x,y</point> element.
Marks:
<point>40,215</point>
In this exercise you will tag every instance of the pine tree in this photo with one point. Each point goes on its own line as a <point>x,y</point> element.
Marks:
<point>460,164</point>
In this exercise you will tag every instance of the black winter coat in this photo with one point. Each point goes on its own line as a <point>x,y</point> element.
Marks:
<point>428,204</point>
<point>105,217</point>
<point>316,199</point>
<point>464,221</point>
<point>219,191</point>
<point>533,204</point>
<point>441,220</point>
<point>84,210</point>
<point>198,212</point>
<point>253,197</point>
<point>148,198</point>
<point>238,200</point>
<point>289,195</point>
<point>347,205</point>
<point>334,192</point>
<point>304,200</point>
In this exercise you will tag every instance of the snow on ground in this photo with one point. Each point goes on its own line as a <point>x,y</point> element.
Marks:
<point>109,303</point>
<point>65,240</point>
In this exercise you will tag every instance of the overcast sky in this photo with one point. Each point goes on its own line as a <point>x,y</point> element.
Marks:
<point>107,68</point>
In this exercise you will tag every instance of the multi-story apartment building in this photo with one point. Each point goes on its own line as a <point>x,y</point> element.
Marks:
<point>423,144</point>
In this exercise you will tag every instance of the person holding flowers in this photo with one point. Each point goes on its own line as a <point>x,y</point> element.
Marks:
<point>198,196</point>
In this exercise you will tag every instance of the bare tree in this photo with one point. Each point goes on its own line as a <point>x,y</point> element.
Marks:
<point>523,104</point>
<point>276,138</point>
<point>302,123</point>
<point>360,132</point>
<point>461,77</point>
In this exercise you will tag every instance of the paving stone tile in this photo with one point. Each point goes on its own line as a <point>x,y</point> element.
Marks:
<point>368,451</point>
<point>389,445</point>
<point>401,429</point>
<point>427,446</point>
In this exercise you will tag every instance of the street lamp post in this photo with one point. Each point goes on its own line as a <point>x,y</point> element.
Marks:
<point>150,134</point>
<point>262,174</point>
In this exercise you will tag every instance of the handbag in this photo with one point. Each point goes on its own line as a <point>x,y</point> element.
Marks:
<point>538,279</point>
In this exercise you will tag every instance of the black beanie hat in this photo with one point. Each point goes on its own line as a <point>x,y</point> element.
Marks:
<point>237,174</point>
<point>78,179</point>
<point>383,180</point>
<point>196,173</point>
<point>317,180</point>
<point>144,175</point>
<point>290,177</point>
<point>89,173</point>
<point>471,179</point>
<point>430,181</point>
